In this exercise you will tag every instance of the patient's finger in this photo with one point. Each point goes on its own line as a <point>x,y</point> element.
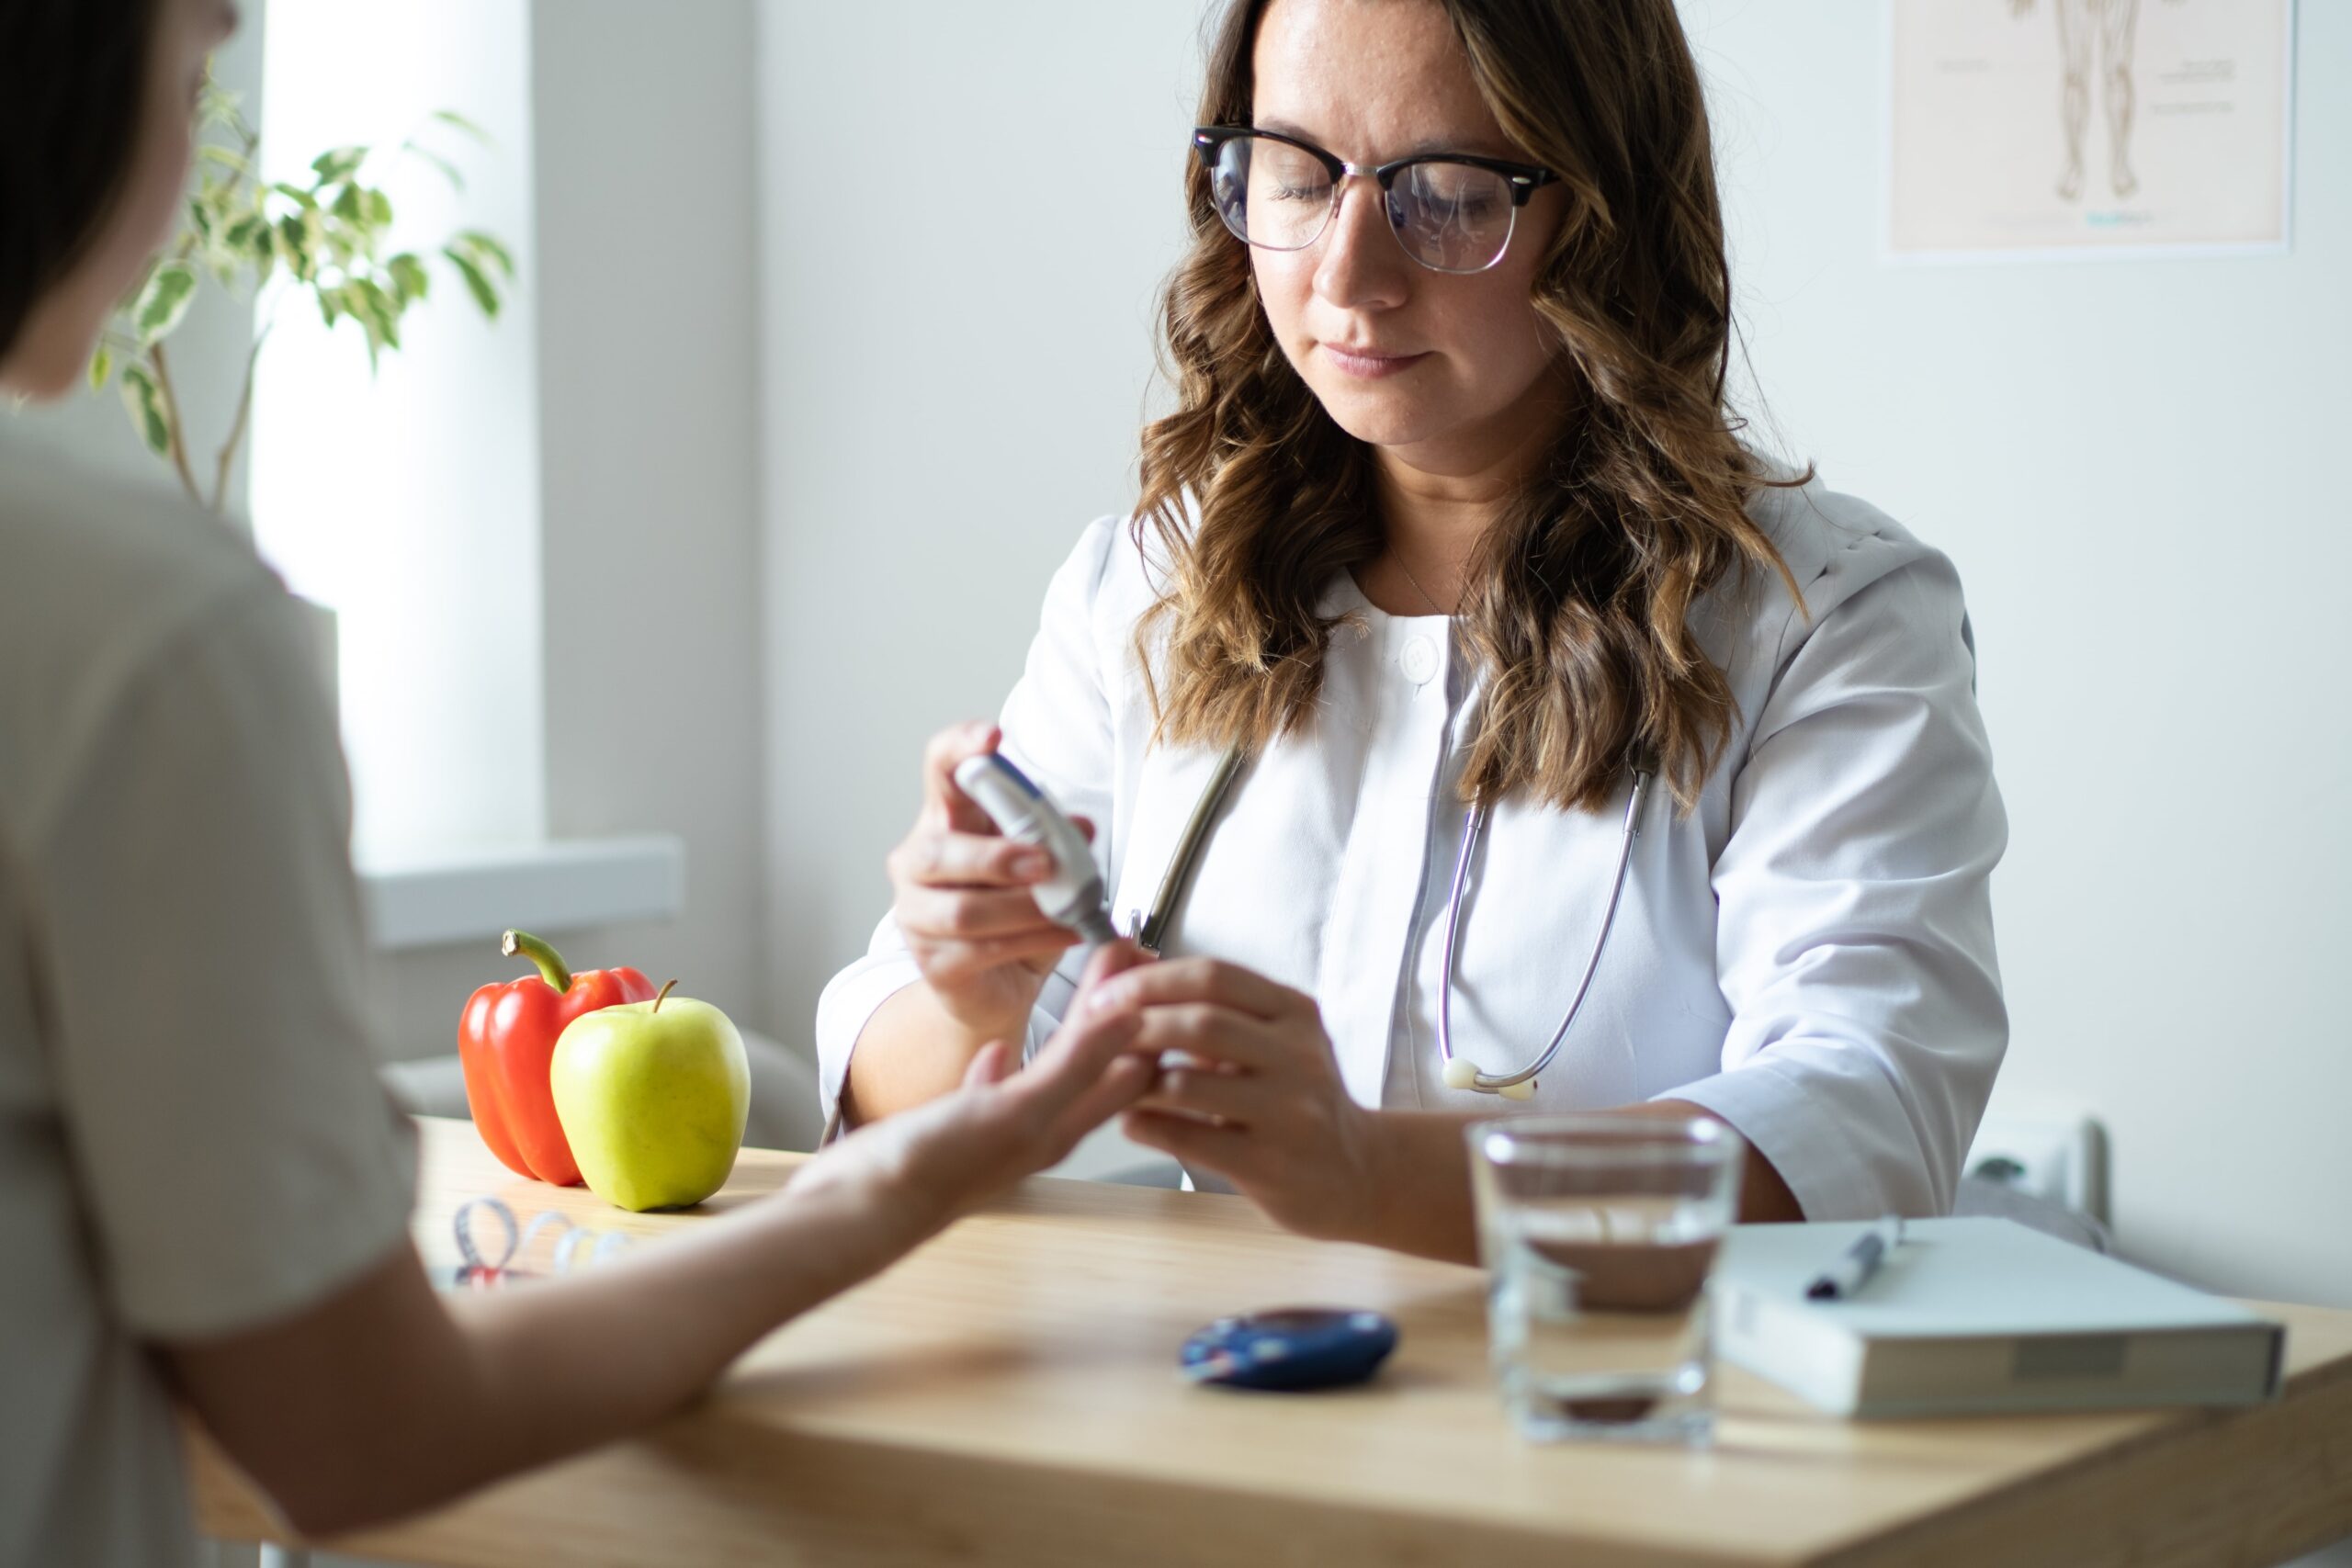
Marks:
<point>1211,980</point>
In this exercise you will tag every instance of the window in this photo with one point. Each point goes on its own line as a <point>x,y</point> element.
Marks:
<point>408,502</point>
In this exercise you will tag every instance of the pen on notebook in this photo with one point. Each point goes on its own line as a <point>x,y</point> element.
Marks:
<point>1854,1265</point>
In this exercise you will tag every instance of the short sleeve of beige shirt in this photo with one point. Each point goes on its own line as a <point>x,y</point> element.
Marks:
<point>200,938</point>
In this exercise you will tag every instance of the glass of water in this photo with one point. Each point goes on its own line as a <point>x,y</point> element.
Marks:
<point>1598,1233</point>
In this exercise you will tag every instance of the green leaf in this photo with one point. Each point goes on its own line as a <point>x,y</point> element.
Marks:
<point>293,246</point>
<point>350,204</point>
<point>295,194</point>
<point>338,166</point>
<point>379,308</point>
<point>330,306</point>
<point>411,281</point>
<point>374,310</point>
<point>101,367</point>
<point>451,117</point>
<point>214,222</point>
<point>476,281</point>
<point>457,179</point>
<point>481,245</point>
<point>164,301</point>
<point>227,158</point>
<point>379,209</point>
<point>146,407</point>
<point>252,237</point>
<point>215,104</point>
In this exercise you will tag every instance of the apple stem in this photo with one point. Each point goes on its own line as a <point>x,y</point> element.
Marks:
<point>664,996</point>
<point>553,968</point>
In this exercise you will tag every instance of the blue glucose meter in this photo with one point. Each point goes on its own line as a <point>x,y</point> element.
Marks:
<point>1292,1349</point>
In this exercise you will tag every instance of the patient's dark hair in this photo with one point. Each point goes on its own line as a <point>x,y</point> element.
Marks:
<point>72,78</point>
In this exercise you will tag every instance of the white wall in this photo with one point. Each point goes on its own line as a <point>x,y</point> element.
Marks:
<point>2134,466</point>
<point>642,124</point>
<point>649,439</point>
<point>408,497</point>
<point>949,397</point>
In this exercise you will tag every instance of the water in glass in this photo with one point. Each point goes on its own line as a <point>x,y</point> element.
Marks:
<point>1599,1241</point>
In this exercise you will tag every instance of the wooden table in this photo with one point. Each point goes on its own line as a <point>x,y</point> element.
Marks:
<point>1007,1396</point>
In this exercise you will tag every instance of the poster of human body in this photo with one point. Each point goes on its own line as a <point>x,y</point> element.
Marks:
<point>2024,128</point>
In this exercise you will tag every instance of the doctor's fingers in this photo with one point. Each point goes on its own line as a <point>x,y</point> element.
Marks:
<point>1228,1151</point>
<point>943,914</point>
<point>1214,1033</point>
<point>947,965</point>
<point>1233,1099</point>
<point>942,801</point>
<point>944,858</point>
<point>1206,980</point>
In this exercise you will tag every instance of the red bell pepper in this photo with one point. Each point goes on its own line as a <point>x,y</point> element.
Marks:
<point>506,1038</point>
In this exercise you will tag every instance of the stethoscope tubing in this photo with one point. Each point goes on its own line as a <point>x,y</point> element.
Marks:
<point>1473,828</point>
<point>1151,929</point>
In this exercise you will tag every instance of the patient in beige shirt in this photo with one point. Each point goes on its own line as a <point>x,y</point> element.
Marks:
<point>203,1190</point>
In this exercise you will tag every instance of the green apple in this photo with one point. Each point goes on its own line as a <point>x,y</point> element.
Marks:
<point>652,1097</point>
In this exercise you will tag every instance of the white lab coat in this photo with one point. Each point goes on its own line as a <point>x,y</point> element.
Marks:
<point>1808,955</point>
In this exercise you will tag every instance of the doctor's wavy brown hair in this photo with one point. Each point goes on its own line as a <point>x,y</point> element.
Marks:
<point>1578,597</point>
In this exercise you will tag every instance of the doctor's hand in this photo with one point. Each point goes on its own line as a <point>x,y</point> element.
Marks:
<point>1263,1103</point>
<point>963,900</point>
<point>921,1168</point>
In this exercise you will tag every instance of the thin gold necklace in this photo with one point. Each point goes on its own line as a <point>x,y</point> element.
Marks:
<point>1416,582</point>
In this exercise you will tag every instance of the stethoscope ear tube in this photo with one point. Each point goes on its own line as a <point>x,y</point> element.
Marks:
<point>1152,929</point>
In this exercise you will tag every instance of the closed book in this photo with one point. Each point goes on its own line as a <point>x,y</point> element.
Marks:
<point>1978,1315</point>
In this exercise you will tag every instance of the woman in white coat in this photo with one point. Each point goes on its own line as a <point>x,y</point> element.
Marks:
<point>1452,512</point>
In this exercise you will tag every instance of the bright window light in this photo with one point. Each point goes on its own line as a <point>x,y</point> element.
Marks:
<point>409,502</point>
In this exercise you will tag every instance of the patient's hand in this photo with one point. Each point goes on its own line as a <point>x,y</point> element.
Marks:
<point>925,1165</point>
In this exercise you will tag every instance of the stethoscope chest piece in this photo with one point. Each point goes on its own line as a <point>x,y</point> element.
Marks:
<point>1460,1071</point>
<point>1150,930</point>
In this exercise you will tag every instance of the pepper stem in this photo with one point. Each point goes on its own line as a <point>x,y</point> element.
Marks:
<point>664,997</point>
<point>524,944</point>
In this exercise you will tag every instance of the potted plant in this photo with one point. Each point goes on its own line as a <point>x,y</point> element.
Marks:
<point>325,241</point>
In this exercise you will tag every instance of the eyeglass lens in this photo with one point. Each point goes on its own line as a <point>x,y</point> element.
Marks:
<point>1450,217</point>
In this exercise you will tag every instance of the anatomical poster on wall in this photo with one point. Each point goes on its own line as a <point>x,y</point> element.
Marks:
<point>2023,128</point>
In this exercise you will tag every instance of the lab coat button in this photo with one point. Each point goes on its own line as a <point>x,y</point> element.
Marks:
<point>1418,659</point>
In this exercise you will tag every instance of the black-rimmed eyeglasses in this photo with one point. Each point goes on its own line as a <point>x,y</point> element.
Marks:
<point>1452,211</point>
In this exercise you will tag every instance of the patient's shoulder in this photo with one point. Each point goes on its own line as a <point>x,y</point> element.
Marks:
<point>99,578</point>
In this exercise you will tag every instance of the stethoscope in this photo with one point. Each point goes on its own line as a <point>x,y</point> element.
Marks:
<point>1149,930</point>
<point>1074,896</point>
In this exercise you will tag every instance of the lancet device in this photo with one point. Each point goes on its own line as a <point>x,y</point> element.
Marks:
<point>1074,896</point>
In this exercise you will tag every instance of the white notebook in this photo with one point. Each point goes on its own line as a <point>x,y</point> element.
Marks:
<point>1971,1316</point>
